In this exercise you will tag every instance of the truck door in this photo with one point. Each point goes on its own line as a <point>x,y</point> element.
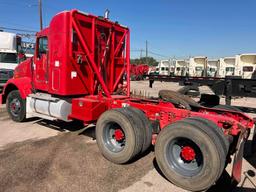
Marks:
<point>41,64</point>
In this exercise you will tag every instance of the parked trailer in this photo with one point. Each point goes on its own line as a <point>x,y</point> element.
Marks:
<point>77,74</point>
<point>227,67</point>
<point>197,66</point>
<point>246,64</point>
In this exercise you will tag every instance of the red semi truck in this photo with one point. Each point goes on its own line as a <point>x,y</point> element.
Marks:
<point>138,72</point>
<point>77,73</point>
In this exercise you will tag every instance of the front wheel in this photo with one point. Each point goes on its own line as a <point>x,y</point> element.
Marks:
<point>189,155</point>
<point>16,106</point>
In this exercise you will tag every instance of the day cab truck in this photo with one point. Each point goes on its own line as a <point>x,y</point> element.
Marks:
<point>77,73</point>
<point>9,44</point>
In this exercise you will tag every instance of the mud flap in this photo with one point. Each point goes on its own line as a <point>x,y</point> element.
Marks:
<point>1,99</point>
<point>238,159</point>
<point>253,146</point>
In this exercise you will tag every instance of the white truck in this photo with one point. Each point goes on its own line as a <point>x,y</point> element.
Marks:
<point>227,66</point>
<point>212,67</point>
<point>165,68</point>
<point>197,66</point>
<point>9,44</point>
<point>181,67</point>
<point>246,65</point>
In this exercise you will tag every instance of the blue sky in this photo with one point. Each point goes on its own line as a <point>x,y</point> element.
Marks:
<point>179,28</point>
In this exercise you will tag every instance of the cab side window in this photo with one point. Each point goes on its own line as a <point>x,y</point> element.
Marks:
<point>42,46</point>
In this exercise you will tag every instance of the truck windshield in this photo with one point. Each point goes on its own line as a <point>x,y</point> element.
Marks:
<point>230,69</point>
<point>199,68</point>
<point>247,69</point>
<point>8,58</point>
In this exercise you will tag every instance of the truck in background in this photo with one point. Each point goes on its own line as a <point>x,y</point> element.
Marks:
<point>246,65</point>
<point>197,65</point>
<point>165,67</point>
<point>212,67</point>
<point>181,67</point>
<point>10,43</point>
<point>227,66</point>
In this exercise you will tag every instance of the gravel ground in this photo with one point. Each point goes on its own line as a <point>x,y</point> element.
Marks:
<point>40,155</point>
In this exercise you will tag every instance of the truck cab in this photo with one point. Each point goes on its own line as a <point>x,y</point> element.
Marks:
<point>246,63</point>
<point>164,67</point>
<point>9,45</point>
<point>197,66</point>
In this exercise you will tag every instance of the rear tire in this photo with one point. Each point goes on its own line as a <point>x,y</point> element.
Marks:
<point>16,106</point>
<point>209,158</point>
<point>147,128</point>
<point>213,127</point>
<point>119,135</point>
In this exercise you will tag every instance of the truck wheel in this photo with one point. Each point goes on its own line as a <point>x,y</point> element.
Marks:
<point>227,107</point>
<point>147,128</point>
<point>213,127</point>
<point>119,135</point>
<point>190,155</point>
<point>16,106</point>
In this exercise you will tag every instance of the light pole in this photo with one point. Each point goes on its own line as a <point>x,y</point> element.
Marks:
<point>40,13</point>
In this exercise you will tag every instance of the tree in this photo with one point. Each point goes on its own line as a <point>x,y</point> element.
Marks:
<point>144,60</point>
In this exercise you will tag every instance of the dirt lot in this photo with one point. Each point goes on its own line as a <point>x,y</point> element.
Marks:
<point>44,156</point>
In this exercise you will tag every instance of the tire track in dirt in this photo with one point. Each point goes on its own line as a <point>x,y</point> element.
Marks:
<point>66,162</point>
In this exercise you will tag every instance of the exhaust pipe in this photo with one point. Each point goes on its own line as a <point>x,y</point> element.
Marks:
<point>106,14</point>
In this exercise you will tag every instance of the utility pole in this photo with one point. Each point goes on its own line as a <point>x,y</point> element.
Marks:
<point>141,53</point>
<point>40,13</point>
<point>146,52</point>
<point>146,48</point>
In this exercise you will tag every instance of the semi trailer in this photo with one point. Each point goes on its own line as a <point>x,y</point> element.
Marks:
<point>77,73</point>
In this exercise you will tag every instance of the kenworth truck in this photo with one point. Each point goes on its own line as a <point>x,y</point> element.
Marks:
<point>77,73</point>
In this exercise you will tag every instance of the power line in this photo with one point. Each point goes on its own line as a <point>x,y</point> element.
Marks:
<point>151,52</point>
<point>16,29</point>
